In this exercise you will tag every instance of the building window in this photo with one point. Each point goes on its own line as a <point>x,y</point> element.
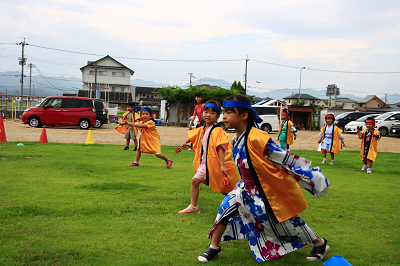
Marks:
<point>122,89</point>
<point>289,101</point>
<point>118,74</point>
<point>102,73</point>
<point>352,105</point>
<point>147,96</point>
<point>361,104</point>
<point>91,72</point>
<point>152,96</point>
<point>112,88</point>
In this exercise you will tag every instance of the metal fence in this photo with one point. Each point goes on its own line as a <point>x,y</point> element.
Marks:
<point>12,106</point>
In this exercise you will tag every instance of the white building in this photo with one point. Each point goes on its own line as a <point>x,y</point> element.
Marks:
<point>112,78</point>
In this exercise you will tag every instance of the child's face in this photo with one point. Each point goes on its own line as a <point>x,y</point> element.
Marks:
<point>210,116</point>
<point>232,119</point>
<point>198,99</point>
<point>130,109</point>
<point>145,116</point>
<point>369,125</point>
<point>329,121</point>
<point>284,117</point>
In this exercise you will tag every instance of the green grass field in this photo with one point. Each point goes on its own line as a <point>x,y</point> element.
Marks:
<point>68,204</point>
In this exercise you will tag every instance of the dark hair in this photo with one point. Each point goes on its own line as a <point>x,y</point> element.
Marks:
<point>213,102</point>
<point>131,104</point>
<point>198,95</point>
<point>370,118</point>
<point>242,98</point>
<point>333,117</point>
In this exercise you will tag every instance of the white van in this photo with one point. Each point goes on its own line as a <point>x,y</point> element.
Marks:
<point>385,121</point>
<point>269,115</point>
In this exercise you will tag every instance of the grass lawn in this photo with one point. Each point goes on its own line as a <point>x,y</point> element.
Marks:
<point>69,204</point>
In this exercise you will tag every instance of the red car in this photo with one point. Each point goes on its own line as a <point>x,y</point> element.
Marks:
<point>62,110</point>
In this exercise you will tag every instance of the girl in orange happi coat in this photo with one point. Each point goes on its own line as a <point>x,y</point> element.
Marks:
<point>369,143</point>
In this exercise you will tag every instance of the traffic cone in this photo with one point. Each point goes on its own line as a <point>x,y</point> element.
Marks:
<point>3,137</point>
<point>43,136</point>
<point>336,261</point>
<point>89,139</point>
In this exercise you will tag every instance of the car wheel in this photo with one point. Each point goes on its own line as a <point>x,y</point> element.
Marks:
<point>97,124</point>
<point>384,131</point>
<point>222,125</point>
<point>266,127</point>
<point>84,123</point>
<point>34,122</point>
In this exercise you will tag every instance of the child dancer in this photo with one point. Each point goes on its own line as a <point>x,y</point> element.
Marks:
<point>264,205</point>
<point>287,131</point>
<point>330,136</point>
<point>149,140</point>
<point>369,144</point>
<point>130,116</point>
<point>198,110</point>
<point>212,158</point>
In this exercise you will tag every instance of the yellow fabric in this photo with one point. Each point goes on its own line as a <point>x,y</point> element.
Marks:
<point>335,140</point>
<point>289,133</point>
<point>373,147</point>
<point>217,137</point>
<point>149,140</point>
<point>137,117</point>
<point>282,192</point>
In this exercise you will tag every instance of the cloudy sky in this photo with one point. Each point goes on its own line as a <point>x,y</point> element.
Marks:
<point>352,43</point>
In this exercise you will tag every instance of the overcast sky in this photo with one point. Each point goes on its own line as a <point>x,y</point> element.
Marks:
<point>278,37</point>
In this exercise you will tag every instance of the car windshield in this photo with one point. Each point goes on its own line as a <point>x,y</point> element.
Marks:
<point>341,116</point>
<point>383,116</point>
<point>363,118</point>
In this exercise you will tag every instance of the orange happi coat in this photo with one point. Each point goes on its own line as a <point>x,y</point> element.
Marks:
<point>149,139</point>
<point>135,116</point>
<point>335,148</point>
<point>289,133</point>
<point>214,177</point>
<point>373,147</point>
<point>281,194</point>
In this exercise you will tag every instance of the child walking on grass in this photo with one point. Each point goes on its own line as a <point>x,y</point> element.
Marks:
<point>330,136</point>
<point>369,143</point>
<point>198,111</point>
<point>287,131</point>
<point>149,140</point>
<point>264,205</point>
<point>130,116</point>
<point>213,157</point>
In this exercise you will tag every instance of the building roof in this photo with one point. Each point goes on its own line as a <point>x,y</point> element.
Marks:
<point>367,98</point>
<point>92,64</point>
<point>302,96</point>
<point>347,100</point>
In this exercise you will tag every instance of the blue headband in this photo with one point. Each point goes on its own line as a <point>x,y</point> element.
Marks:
<point>213,106</point>
<point>246,105</point>
<point>147,110</point>
<point>130,104</point>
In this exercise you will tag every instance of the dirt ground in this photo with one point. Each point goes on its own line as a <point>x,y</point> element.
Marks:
<point>170,136</point>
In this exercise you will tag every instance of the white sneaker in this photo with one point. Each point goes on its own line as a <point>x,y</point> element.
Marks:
<point>364,168</point>
<point>323,161</point>
<point>369,171</point>
<point>332,162</point>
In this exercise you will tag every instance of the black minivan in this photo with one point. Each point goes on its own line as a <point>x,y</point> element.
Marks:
<point>101,114</point>
<point>344,118</point>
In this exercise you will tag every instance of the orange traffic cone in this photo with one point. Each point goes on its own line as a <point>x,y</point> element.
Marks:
<point>3,137</point>
<point>43,136</point>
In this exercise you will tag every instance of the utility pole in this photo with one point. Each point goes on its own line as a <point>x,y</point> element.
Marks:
<point>245,77</point>
<point>22,62</point>
<point>30,80</point>
<point>190,79</point>
<point>301,70</point>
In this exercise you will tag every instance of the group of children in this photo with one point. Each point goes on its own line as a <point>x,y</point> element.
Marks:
<point>264,205</point>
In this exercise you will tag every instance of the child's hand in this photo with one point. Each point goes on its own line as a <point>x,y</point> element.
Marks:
<point>294,136</point>
<point>223,170</point>
<point>320,140</point>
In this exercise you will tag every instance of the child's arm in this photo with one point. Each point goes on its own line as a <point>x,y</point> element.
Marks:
<point>294,130</point>
<point>115,116</point>
<point>342,139</point>
<point>134,124</point>
<point>221,155</point>
<point>185,143</point>
<point>321,137</point>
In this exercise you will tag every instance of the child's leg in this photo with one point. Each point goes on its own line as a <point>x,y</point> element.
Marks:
<point>162,156</point>
<point>369,164</point>
<point>128,141</point>
<point>319,250</point>
<point>332,156</point>
<point>194,192</point>
<point>137,156</point>
<point>135,141</point>
<point>218,231</point>
<point>324,154</point>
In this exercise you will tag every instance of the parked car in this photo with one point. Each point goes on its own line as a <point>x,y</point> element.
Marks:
<point>101,114</point>
<point>352,126</point>
<point>345,118</point>
<point>385,121</point>
<point>196,119</point>
<point>62,110</point>
<point>395,130</point>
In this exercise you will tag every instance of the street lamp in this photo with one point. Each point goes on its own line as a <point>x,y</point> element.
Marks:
<point>301,70</point>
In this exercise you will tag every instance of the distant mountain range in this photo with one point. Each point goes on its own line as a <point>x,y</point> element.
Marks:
<point>46,86</point>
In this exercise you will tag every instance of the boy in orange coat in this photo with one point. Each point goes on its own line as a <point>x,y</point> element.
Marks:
<point>369,144</point>
<point>213,157</point>
<point>287,131</point>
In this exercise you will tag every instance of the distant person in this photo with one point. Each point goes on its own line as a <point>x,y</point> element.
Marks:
<point>369,143</point>
<point>213,157</point>
<point>287,131</point>
<point>331,139</point>
<point>198,111</point>
<point>2,116</point>
<point>149,138</point>
<point>130,116</point>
